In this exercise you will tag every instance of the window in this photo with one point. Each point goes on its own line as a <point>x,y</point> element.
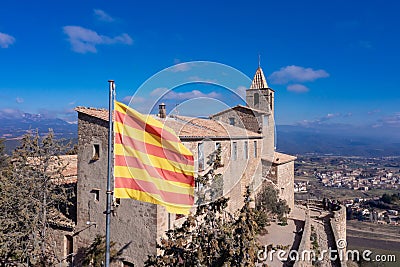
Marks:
<point>246,150</point>
<point>117,202</point>
<point>68,247</point>
<point>96,193</point>
<point>127,264</point>
<point>232,121</point>
<point>256,99</point>
<point>255,149</point>
<point>96,152</point>
<point>271,101</point>
<point>179,216</point>
<point>200,153</point>
<point>217,145</point>
<point>234,151</point>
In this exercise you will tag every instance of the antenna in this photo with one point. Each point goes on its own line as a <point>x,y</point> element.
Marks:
<point>259,60</point>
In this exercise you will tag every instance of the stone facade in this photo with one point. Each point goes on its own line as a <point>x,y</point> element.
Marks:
<point>133,223</point>
<point>285,185</point>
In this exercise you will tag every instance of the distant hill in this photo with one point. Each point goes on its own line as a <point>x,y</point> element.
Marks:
<point>323,139</point>
<point>338,139</point>
<point>12,129</point>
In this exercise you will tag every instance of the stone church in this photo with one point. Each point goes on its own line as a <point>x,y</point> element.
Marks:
<point>245,136</point>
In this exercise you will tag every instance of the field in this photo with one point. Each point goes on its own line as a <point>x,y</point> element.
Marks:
<point>380,239</point>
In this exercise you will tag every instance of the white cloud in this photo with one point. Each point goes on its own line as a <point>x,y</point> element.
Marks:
<point>391,120</point>
<point>6,40</point>
<point>85,40</point>
<point>323,119</point>
<point>297,88</point>
<point>10,113</point>
<point>159,91</point>
<point>331,115</point>
<point>201,80</point>
<point>169,94</point>
<point>296,74</point>
<point>103,16</point>
<point>19,100</point>
<point>181,67</point>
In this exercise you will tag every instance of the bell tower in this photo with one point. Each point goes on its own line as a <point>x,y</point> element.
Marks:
<point>260,95</point>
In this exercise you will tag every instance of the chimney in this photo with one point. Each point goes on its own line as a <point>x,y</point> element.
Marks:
<point>162,112</point>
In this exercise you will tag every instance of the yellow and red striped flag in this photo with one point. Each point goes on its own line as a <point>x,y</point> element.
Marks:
<point>150,162</point>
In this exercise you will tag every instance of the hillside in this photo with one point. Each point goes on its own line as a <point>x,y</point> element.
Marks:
<point>338,140</point>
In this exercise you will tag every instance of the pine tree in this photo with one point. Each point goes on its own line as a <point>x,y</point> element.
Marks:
<point>32,196</point>
<point>268,202</point>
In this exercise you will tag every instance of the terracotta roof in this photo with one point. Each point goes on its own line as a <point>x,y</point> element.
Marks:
<point>100,113</point>
<point>259,81</point>
<point>187,127</point>
<point>280,158</point>
<point>71,170</point>
<point>239,106</point>
<point>68,163</point>
<point>58,219</point>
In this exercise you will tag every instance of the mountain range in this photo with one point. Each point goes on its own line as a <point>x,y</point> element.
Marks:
<point>13,128</point>
<point>339,139</point>
<point>321,139</point>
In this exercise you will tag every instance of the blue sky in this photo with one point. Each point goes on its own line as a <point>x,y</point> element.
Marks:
<point>328,61</point>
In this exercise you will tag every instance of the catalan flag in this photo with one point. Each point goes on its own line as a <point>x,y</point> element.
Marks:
<point>150,162</point>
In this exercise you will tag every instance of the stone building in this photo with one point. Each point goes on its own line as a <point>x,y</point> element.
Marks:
<point>62,225</point>
<point>258,116</point>
<point>246,136</point>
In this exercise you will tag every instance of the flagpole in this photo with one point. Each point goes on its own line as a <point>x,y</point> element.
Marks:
<point>109,171</point>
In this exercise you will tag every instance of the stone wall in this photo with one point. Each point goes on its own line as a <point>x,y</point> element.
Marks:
<point>305,243</point>
<point>244,118</point>
<point>338,225</point>
<point>133,223</point>
<point>285,182</point>
<point>336,231</point>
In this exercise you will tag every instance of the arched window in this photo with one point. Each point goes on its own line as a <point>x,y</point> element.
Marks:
<point>256,99</point>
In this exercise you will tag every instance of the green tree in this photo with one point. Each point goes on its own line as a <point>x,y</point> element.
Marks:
<point>32,196</point>
<point>267,201</point>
